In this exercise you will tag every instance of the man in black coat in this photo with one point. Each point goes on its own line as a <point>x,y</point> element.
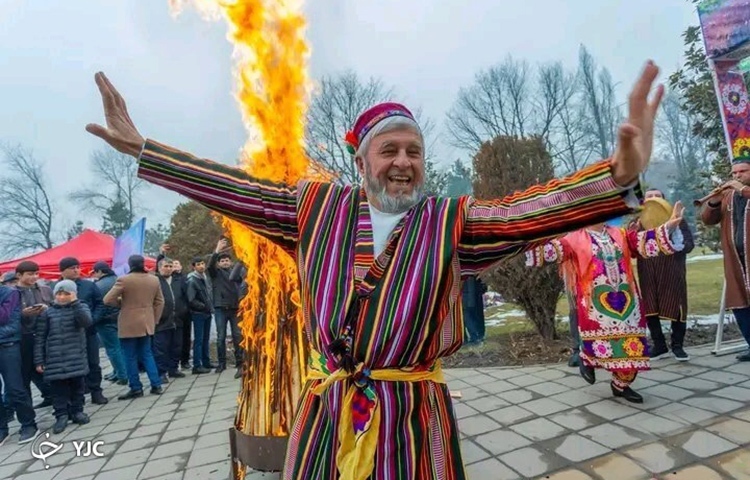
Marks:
<point>226,296</point>
<point>88,293</point>
<point>167,341</point>
<point>200,302</point>
<point>182,311</point>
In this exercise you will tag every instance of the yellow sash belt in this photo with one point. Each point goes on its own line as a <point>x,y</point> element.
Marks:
<point>359,419</point>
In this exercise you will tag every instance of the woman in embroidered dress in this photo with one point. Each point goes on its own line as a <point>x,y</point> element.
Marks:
<point>611,322</point>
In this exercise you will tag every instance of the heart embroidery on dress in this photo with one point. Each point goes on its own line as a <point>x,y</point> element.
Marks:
<point>615,303</point>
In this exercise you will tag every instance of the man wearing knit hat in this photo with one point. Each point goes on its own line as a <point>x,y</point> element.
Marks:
<point>380,273</point>
<point>88,293</point>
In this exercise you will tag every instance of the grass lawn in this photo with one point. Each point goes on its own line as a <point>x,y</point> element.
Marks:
<point>705,279</point>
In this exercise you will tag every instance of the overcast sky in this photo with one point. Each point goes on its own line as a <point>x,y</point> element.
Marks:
<point>176,73</point>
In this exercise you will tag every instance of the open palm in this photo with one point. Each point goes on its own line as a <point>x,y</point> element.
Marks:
<point>635,137</point>
<point>120,132</point>
<point>677,212</point>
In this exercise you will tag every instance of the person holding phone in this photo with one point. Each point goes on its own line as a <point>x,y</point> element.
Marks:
<point>35,299</point>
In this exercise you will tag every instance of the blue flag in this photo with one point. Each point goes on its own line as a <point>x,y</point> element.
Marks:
<point>131,242</point>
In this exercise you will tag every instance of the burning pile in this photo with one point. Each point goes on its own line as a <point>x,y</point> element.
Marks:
<point>271,74</point>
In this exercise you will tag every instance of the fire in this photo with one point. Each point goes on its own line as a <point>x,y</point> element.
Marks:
<point>271,74</point>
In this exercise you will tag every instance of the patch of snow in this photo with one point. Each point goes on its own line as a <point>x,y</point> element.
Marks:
<point>492,299</point>
<point>699,258</point>
<point>501,318</point>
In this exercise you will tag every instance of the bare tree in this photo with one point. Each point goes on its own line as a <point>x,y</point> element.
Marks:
<point>568,139</point>
<point>556,89</point>
<point>510,99</point>
<point>116,183</point>
<point>340,99</point>
<point>602,110</point>
<point>26,211</point>
<point>676,141</point>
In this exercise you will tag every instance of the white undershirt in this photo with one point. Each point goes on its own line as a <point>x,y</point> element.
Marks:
<point>382,226</point>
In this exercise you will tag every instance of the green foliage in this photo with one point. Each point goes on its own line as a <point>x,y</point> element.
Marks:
<point>435,179</point>
<point>194,232</point>
<point>459,180</point>
<point>117,218</point>
<point>503,166</point>
<point>155,237</point>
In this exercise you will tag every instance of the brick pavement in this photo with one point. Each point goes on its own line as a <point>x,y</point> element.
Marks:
<point>516,423</point>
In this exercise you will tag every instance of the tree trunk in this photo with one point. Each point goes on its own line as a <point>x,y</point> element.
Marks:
<point>543,319</point>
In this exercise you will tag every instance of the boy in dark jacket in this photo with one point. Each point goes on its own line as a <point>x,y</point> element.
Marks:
<point>60,353</point>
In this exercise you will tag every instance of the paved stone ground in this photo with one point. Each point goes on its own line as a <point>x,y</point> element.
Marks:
<point>535,422</point>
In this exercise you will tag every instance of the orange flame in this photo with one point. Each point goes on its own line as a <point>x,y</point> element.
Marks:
<point>271,73</point>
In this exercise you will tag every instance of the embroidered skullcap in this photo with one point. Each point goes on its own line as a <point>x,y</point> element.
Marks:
<point>371,117</point>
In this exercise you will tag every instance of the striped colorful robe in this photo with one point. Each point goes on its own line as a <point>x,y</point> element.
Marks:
<point>412,317</point>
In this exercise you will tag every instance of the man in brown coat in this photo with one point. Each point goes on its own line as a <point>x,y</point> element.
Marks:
<point>138,295</point>
<point>730,209</point>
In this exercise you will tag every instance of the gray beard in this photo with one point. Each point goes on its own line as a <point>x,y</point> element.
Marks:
<point>388,203</point>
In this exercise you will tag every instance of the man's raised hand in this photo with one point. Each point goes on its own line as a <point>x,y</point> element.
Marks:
<point>120,132</point>
<point>635,138</point>
<point>677,213</point>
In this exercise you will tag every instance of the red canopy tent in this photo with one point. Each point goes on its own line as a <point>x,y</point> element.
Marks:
<point>89,247</point>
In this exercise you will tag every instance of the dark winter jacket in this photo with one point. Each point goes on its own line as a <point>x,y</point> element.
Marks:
<point>108,313</point>
<point>31,296</point>
<point>179,288</point>
<point>238,275</point>
<point>199,296</point>
<point>225,291</point>
<point>60,343</point>
<point>167,320</point>
<point>90,294</point>
<point>10,315</point>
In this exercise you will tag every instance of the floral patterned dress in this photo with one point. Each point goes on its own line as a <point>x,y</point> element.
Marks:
<point>610,317</point>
